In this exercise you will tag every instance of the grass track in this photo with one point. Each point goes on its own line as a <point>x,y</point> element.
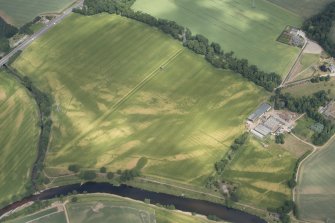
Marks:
<point>250,32</point>
<point>19,136</point>
<point>125,90</point>
<point>19,12</point>
<point>316,188</point>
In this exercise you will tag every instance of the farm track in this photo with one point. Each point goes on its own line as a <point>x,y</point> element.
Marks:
<point>116,106</point>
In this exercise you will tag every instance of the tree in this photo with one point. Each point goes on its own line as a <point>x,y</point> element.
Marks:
<point>74,199</point>
<point>110,175</point>
<point>88,175</point>
<point>280,139</point>
<point>103,170</point>
<point>74,168</point>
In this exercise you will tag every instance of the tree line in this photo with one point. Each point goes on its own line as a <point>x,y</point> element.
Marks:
<point>310,106</point>
<point>318,28</point>
<point>44,103</point>
<point>199,44</point>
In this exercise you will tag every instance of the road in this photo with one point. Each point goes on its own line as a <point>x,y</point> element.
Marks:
<point>48,26</point>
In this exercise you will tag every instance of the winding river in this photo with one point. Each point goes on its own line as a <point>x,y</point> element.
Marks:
<point>181,203</point>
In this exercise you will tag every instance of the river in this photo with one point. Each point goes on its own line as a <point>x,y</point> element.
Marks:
<point>181,203</point>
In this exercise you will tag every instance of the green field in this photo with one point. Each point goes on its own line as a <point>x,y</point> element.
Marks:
<point>107,208</point>
<point>316,188</point>
<point>309,88</point>
<point>308,60</point>
<point>261,174</point>
<point>117,99</point>
<point>303,8</point>
<point>19,12</point>
<point>19,135</point>
<point>250,32</point>
<point>303,129</point>
<point>51,215</point>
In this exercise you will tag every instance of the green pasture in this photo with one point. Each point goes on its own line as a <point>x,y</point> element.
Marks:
<point>261,174</point>
<point>124,91</point>
<point>303,129</point>
<point>33,216</point>
<point>250,32</point>
<point>303,8</point>
<point>316,187</point>
<point>308,60</point>
<point>309,88</point>
<point>19,135</point>
<point>19,12</point>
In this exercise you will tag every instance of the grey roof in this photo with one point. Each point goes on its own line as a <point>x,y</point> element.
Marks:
<point>272,124</point>
<point>260,111</point>
<point>262,129</point>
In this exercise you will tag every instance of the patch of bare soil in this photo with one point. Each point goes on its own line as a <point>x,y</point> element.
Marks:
<point>98,207</point>
<point>313,48</point>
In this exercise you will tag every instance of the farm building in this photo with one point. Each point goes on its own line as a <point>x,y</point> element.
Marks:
<point>261,110</point>
<point>261,131</point>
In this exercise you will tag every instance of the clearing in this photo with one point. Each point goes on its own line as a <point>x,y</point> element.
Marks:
<point>261,173</point>
<point>250,32</point>
<point>124,90</point>
<point>316,188</point>
<point>19,135</point>
<point>18,12</point>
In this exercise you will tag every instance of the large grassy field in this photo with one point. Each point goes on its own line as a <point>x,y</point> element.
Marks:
<point>19,12</point>
<point>309,88</point>
<point>261,174</point>
<point>19,135</point>
<point>303,8</point>
<point>250,32</point>
<point>124,90</point>
<point>316,188</point>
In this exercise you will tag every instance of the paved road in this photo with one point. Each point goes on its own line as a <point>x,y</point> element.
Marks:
<point>48,26</point>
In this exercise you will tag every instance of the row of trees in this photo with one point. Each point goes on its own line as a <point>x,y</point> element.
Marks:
<point>319,27</point>
<point>197,43</point>
<point>310,106</point>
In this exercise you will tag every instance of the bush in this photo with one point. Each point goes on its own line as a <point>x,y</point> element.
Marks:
<point>74,199</point>
<point>110,175</point>
<point>103,170</point>
<point>74,168</point>
<point>88,175</point>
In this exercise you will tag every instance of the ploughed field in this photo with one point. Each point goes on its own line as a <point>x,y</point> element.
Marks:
<point>250,32</point>
<point>123,90</point>
<point>316,188</point>
<point>19,133</point>
<point>19,12</point>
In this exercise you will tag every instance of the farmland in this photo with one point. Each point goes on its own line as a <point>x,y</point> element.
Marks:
<point>316,195</point>
<point>309,88</point>
<point>18,12</point>
<point>146,98</point>
<point>107,208</point>
<point>261,174</point>
<point>19,135</point>
<point>303,8</point>
<point>252,36</point>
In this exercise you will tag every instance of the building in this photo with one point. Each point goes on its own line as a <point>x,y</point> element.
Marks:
<point>317,127</point>
<point>261,131</point>
<point>261,110</point>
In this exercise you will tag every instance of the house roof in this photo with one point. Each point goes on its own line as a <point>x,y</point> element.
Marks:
<point>260,111</point>
<point>262,129</point>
